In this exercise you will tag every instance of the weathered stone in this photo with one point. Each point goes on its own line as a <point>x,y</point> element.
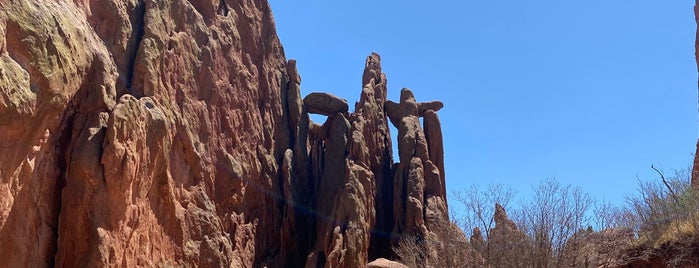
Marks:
<point>292,72</point>
<point>419,197</point>
<point>436,212</point>
<point>290,247</point>
<point>433,182</point>
<point>433,135</point>
<point>408,106</point>
<point>372,71</point>
<point>414,218</point>
<point>293,96</point>
<point>423,107</point>
<point>357,144</point>
<point>505,241</point>
<point>152,181</point>
<point>399,198</point>
<point>384,263</point>
<point>334,170</point>
<point>325,104</point>
<point>408,138</point>
<point>319,132</point>
<point>477,240</point>
<point>173,133</point>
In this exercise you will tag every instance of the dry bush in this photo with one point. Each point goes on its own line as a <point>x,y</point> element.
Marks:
<point>411,251</point>
<point>665,211</point>
<point>544,224</point>
<point>665,216</point>
<point>444,246</point>
<point>606,215</point>
<point>597,249</point>
<point>550,219</point>
<point>658,225</point>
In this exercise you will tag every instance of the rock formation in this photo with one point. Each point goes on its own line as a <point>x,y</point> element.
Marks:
<point>325,104</point>
<point>417,180</point>
<point>477,241</point>
<point>605,248</point>
<point>384,263</point>
<point>173,133</point>
<point>506,242</point>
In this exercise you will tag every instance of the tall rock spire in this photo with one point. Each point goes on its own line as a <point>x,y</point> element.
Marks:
<point>173,133</point>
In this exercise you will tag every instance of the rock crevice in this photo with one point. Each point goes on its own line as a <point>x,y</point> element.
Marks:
<point>137,20</point>
<point>173,133</point>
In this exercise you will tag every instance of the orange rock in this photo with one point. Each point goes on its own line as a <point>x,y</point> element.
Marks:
<point>173,133</point>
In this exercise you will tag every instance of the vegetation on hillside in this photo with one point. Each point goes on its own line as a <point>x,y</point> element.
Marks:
<point>562,226</point>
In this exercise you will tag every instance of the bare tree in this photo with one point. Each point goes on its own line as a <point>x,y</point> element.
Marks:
<point>480,208</point>
<point>444,246</point>
<point>551,218</point>
<point>554,227</point>
<point>480,205</point>
<point>607,216</point>
<point>658,207</point>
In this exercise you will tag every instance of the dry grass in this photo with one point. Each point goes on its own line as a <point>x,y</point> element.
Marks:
<point>666,220</point>
<point>443,246</point>
<point>658,227</point>
<point>679,230</point>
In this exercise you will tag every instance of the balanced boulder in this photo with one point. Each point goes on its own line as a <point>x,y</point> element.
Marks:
<point>325,104</point>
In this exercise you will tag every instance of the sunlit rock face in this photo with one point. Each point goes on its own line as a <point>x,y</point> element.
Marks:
<point>156,133</point>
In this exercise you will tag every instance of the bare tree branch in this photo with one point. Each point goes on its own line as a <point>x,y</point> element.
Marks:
<point>674,196</point>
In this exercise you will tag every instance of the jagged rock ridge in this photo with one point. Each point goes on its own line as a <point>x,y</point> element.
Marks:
<point>155,133</point>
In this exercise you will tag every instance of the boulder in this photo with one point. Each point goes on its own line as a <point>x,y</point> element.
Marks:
<point>325,104</point>
<point>430,105</point>
<point>384,263</point>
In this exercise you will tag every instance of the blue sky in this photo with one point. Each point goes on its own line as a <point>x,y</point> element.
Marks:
<point>589,92</point>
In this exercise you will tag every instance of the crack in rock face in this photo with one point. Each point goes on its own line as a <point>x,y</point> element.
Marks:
<point>173,133</point>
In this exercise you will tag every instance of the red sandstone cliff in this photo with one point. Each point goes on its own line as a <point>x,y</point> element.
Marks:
<point>149,133</point>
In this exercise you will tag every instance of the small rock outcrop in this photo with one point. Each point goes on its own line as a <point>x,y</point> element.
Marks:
<point>605,248</point>
<point>173,133</point>
<point>506,241</point>
<point>384,263</point>
<point>477,241</point>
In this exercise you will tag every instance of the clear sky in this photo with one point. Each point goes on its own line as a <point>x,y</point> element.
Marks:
<point>589,92</point>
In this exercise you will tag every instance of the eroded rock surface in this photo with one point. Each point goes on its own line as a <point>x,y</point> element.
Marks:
<point>384,263</point>
<point>505,240</point>
<point>173,133</point>
<point>419,194</point>
<point>325,104</point>
<point>140,133</point>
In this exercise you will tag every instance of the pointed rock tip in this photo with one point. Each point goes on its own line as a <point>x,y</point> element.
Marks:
<point>500,214</point>
<point>292,72</point>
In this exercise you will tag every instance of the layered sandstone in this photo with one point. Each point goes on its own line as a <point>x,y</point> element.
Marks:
<point>157,133</point>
